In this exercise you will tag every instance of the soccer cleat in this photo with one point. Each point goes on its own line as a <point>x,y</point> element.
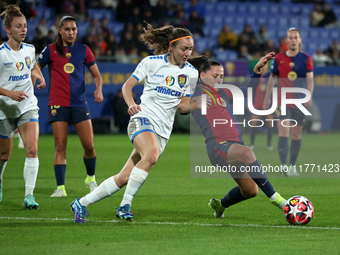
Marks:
<point>270,148</point>
<point>216,205</point>
<point>59,192</point>
<point>1,192</point>
<point>21,143</point>
<point>91,183</point>
<point>279,202</point>
<point>29,202</point>
<point>292,172</point>
<point>124,212</point>
<point>284,169</point>
<point>79,211</point>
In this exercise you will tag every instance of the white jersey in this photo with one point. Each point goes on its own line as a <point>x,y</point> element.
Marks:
<point>164,87</point>
<point>15,74</point>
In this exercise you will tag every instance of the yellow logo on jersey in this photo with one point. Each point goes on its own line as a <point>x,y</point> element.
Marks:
<point>292,75</point>
<point>68,55</point>
<point>291,64</point>
<point>68,68</point>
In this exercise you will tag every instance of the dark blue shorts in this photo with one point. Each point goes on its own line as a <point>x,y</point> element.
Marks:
<point>71,115</point>
<point>218,152</point>
<point>292,113</point>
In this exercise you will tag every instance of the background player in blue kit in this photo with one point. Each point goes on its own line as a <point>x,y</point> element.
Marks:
<point>18,104</point>
<point>67,60</point>
<point>224,144</point>
<point>167,77</point>
<point>294,69</point>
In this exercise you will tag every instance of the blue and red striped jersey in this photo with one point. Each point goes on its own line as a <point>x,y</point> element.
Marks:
<point>67,75</point>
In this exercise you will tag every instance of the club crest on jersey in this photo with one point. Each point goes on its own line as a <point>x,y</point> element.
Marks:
<point>28,62</point>
<point>68,68</point>
<point>20,66</point>
<point>169,80</point>
<point>182,80</point>
<point>291,64</point>
<point>68,54</point>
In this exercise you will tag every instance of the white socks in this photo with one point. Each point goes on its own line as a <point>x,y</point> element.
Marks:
<point>2,169</point>
<point>137,178</point>
<point>104,190</point>
<point>30,174</point>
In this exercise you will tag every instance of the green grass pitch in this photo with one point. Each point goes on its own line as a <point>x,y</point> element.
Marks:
<point>171,211</point>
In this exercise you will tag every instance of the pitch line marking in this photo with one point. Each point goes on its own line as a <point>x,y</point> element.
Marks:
<point>175,223</point>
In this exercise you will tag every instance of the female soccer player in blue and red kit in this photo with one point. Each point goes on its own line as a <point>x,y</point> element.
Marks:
<point>294,69</point>
<point>224,143</point>
<point>67,60</point>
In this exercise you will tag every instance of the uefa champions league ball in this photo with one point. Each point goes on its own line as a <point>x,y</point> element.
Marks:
<point>298,210</point>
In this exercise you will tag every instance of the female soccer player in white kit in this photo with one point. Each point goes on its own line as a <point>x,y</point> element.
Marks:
<point>167,80</point>
<point>18,105</point>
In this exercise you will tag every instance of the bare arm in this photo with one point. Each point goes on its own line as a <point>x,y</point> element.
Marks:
<point>128,96</point>
<point>37,75</point>
<point>310,86</point>
<point>271,82</point>
<point>98,94</point>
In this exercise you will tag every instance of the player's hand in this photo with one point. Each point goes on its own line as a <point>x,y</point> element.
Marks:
<point>98,97</point>
<point>18,95</point>
<point>198,102</point>
<point>263,61</point>
<point>133,109</point>
<point>42,83</point>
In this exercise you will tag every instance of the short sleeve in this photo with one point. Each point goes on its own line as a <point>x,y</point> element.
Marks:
<point>90,59</point>
<point>44,57</point>
<point>309,64</point>
<point>141,70</point>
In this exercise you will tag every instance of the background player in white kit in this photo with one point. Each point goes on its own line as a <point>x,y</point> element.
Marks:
<point>18,105</point>
<point>167,79</point>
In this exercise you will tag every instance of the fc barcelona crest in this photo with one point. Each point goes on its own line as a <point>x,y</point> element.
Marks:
<point>182,80</point>
<point>28,62</point>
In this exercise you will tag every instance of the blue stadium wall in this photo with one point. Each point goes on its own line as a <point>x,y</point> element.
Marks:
<point>326,94</point>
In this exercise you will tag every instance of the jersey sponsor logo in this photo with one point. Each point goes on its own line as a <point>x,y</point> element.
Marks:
<point>159,75</point>
<point>28,62</point>
<point>20,66</point>
<point>68,68</point>
<point>292,75</point>
<point>169,80</point>
<point>182,80</point>
<point>8,64</point>
<point>19,77</point>
<point>167,91</point>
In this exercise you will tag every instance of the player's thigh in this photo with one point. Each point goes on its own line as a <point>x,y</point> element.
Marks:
<point>84,130</point>
<point>296,132</point>
<point>5,148</point>
<point>239,154</point>
<point>283,129</point>
<point>59,129</point>
<point>29,133</point>
<point>146,145</point>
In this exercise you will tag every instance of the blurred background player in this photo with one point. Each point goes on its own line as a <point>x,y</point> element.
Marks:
<point>258,104</point>
<point>67,101</point>
<point>224,144</point>
<point>167,78</point>
<point>294,69</point>
<point>19,107</point>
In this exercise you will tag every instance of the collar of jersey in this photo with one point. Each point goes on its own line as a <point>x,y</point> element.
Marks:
<point>166,61</point>
<point>9,48</point>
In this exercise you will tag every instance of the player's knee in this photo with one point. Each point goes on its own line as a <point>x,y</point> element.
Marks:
<point>248,156</point>
<point>250,192</point>
<point>152,157</point>
<point>32,151</point>
<point>60,148</point>
<point>89,148</point>
<point>5,157</point>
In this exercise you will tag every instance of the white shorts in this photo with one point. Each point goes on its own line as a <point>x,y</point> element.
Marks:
<point>138,125</point>
<point>9,126</point>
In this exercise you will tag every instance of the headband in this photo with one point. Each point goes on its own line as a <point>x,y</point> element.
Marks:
<point>188,36</point>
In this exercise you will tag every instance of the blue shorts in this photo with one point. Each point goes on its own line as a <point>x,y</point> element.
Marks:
<point>68,114</point>
<point>218,152</point>
<point>292,113</point>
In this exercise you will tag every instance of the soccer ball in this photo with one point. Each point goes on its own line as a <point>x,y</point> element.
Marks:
<point>298,210</point>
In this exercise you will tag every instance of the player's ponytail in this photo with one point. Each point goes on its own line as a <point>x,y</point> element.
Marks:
<point>202,63</point>
<point>159,39</point>
<point>59,42</point>
<point>10,12</point>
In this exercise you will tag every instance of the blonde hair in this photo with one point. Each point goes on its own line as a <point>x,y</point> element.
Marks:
<point>10,12</point>
<point>294,29</point>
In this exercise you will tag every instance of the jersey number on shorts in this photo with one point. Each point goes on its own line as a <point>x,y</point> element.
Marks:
<point>144,121</point>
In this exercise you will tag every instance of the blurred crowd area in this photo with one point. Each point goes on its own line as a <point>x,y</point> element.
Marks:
<point>224,30</point>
